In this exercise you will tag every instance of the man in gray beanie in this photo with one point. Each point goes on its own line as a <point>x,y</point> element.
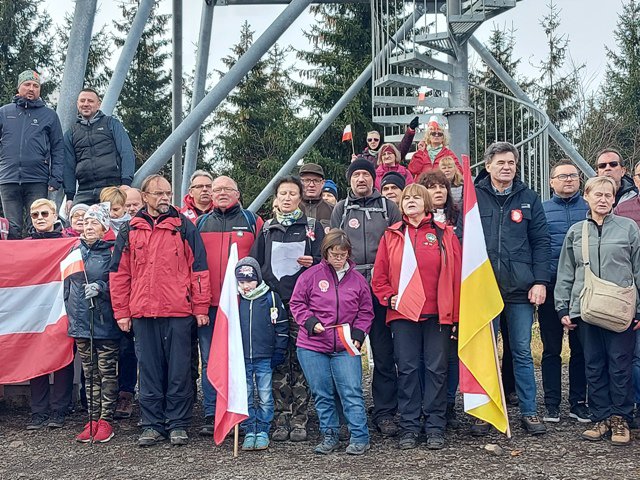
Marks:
<point>31,152</point>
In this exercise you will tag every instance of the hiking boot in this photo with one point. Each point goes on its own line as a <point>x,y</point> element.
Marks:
<point>298,434</point>
<point>597,431</point>
<point>479,428</point>
<point>343,433</point>
<point>435,441</point>
<point>124,407</point>
<point>90,428</point>
<point>408,440</point>
<point>38,421</point>
<point>280,434</point>
<point>329,443</point>
<point>619,431</point>
<point>452,418</point>
<point>178,436</point>
<point>580,412</point>
<point>262,441</point>
<point>207,427</point>
<point>512,399</point>
<point>150,437</point>
<point>552,416</point>
<point>357,448</point>
<point>387,427</point>
<point>249,443</point>
<point>56,420</point>
<point>104,433</point>
<point>533,425</point>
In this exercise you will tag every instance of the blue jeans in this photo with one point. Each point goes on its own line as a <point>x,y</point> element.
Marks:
<point>636,370</point>
<point>260,412</point>
<point>327,373</point>
<point>205,335</point>
<point>519,318</point>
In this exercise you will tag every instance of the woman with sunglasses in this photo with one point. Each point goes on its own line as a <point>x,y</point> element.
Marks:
<point>49,407</point>
<point>436,141</point>
<point>372,151</point>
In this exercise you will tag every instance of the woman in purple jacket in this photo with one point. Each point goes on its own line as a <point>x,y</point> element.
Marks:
<point>329,299</point>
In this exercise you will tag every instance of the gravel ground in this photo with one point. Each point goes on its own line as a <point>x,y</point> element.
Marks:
<point>560,454</point>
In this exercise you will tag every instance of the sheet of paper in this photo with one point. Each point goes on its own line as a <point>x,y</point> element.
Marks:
<point>284,258</point>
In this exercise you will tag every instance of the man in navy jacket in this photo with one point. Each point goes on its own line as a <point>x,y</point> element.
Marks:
<point>31,152</point>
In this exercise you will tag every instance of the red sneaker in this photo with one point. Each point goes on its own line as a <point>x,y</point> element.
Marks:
<point>85,436</point>
<point>104,433</point>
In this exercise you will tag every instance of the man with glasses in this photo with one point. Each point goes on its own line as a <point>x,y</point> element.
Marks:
<point>374,142</point>
<point>563,209</point>
<point>225,224</point>
<point>159,281</point>
<point>198,200</point>
<point>312,178</point>
<point>610,164</point>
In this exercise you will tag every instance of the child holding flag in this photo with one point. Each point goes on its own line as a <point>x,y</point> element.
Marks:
<point>265,335</point>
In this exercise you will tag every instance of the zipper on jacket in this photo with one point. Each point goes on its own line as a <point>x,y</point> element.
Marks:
<point>24,117</point>
<point>199,285</point>
<point>337,313</point>
<point>500,239</point>
<point>250,329</point>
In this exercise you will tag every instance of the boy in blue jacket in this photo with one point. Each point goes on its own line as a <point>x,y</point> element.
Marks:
<point>265,335</point>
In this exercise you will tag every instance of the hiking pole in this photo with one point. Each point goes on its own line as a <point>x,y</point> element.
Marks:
<point>92,309</point>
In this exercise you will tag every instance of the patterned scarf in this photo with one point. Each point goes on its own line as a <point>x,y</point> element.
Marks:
<point>256,292</point>
<point>433,152</point>
<point>287,219</point>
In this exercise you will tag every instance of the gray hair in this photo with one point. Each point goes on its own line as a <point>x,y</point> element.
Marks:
<point>200,173</point>
<point>500,147</point>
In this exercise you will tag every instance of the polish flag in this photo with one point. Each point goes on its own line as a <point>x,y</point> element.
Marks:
<point>344,334</point>
<point>411,296</point>
<point>226,370</point>
<point>346,135</point>
<point>422,93</point>
<point>433,122</point>
<point>33,320</point>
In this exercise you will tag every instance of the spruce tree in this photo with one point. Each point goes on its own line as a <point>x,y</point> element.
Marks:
<point>25,43</point>
<point>144,105</point>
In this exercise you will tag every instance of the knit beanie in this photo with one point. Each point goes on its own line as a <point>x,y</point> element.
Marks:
<point>331,187</point>
<point>361,163</point>
<point>100,212</point>
<point>28,76</point>
<point>248,270</point>
<point>79,206</point>
<point>393,178</point>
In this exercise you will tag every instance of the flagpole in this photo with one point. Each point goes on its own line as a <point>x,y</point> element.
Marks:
<point>236,439</point>
<point>353,148</point>
<point>502,397</point>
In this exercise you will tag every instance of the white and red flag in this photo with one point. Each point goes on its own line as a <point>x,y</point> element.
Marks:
<point>226,370</point>
<point>33,320</point>
<point>344,334</point>
<point>411,296</point>
<point>346,134</point>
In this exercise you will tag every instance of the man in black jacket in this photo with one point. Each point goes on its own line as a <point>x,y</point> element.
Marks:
<point>609,163</point>
<point>518,245</point>
<point>31,152</point>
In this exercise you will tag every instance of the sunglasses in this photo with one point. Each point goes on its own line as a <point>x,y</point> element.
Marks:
<point>613,164</point>
<point>373,139</point>
<point>436,134</point>
<point>44,214</point>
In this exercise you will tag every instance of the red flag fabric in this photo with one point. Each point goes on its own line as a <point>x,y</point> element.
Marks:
<point>346,134</point>
<point>226,369</point>
<point>33,320</point>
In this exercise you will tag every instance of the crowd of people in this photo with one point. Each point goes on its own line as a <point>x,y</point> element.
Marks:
<point>323,264</point>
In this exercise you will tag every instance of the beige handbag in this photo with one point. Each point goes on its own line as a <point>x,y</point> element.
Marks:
<point>603,303</point>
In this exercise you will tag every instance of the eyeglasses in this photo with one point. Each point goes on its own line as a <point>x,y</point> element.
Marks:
<point>436,134</point>
<point>564,176</point>
<point>43,214</point>
<point>311,181</point>
<point>338,256</point>
<point>161,194</point>
<point>208,186</point>
<point>614,164</point>
<point>77,215</point>
<point>373,139</point>
<point>224,189</point>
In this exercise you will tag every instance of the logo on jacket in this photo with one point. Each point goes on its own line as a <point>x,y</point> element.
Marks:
<point>34,121</point>
<point>516,215</point>
<point>431,238</point>
<point>354,223</point>
<point>323,285</point>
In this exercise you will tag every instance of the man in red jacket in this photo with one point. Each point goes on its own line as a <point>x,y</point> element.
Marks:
<point>227,223</point>
<point>159,281</point>
<point>198,201</point>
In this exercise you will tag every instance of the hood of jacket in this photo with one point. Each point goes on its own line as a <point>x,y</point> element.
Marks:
<point>26,103</point>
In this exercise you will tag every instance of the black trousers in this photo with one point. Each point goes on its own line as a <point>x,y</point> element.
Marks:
<point>384,387</point>
<point>16,204</point>
<point>54,399</point>
<point>551,333</point>
<point>414,343</point>
<point>608,358</point>
<point>508,377</point>
<point>164,359</point>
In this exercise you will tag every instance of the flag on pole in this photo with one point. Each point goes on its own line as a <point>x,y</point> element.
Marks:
<point>433,123</point>
<point>480,303</point>
<point>346,134</point>
<point>344,334</point>
<point>411,296</point>
<point>226,370</point>
<point>33,320</point>
<point>422,93</point>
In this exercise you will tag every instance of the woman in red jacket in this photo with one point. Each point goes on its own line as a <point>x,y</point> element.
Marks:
<point>437,141</point>
<point>421,312</point>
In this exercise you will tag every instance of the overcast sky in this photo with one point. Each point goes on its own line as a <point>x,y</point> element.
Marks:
<point>588,24</point>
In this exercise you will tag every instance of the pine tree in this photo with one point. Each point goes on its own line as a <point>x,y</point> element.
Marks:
<point>25,43</point>
<point>340,50</point>
<point>258,126</point>
<point>144,105</point>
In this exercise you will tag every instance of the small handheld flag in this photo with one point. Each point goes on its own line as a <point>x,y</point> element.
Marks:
<point>344,334</point>
<point>346,135</point>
